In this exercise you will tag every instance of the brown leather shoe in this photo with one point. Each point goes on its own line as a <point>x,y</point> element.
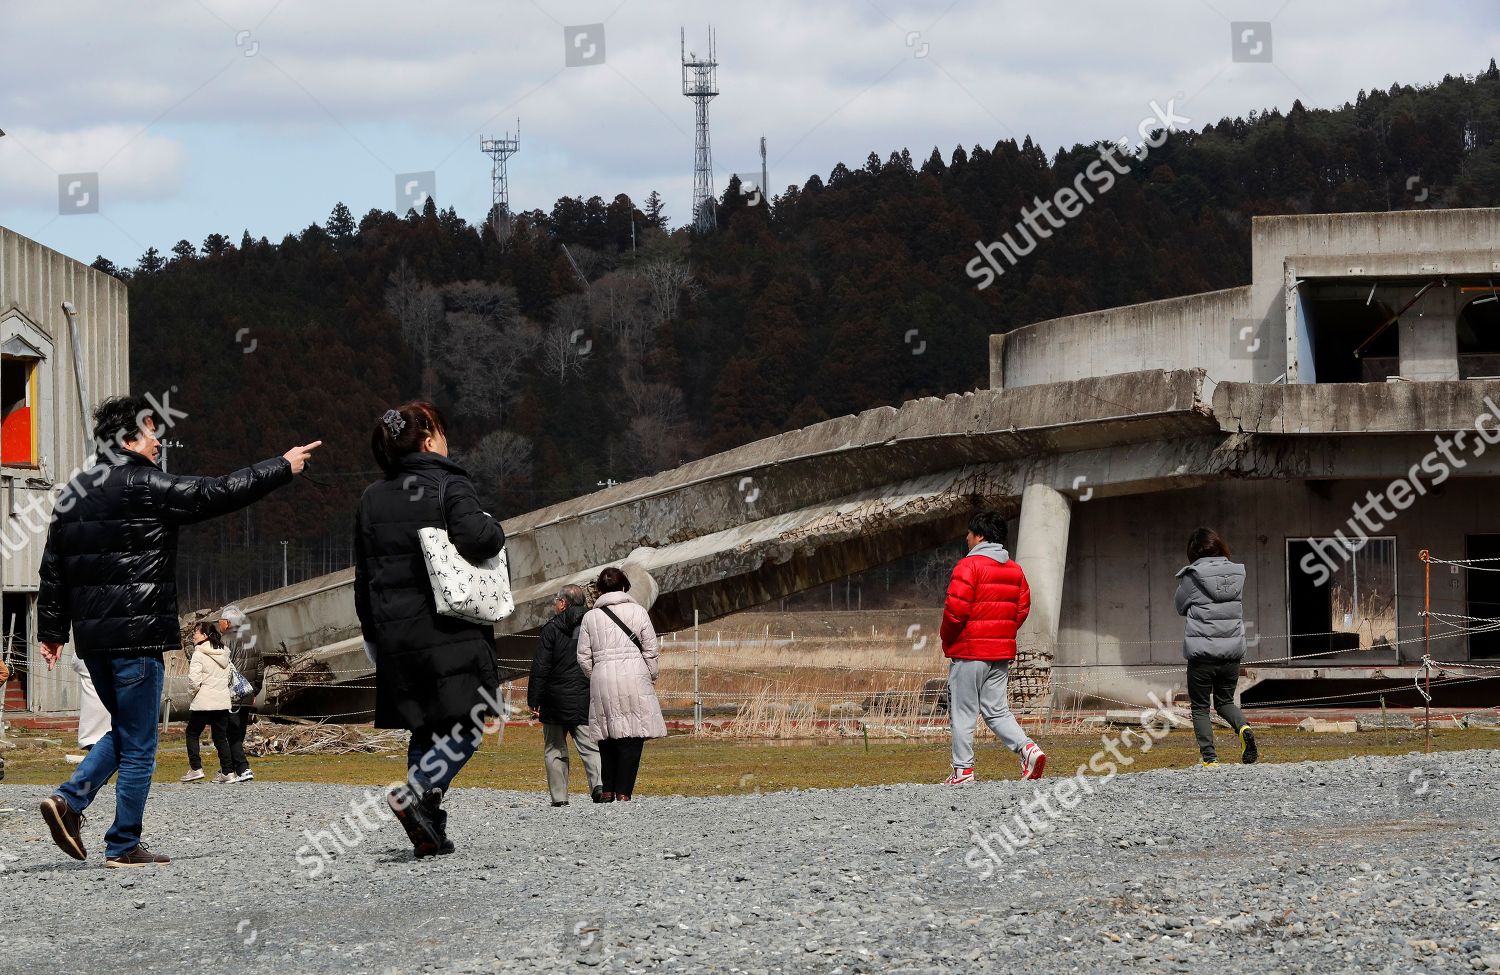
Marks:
<point>141,856</point>
<point>66,826</point>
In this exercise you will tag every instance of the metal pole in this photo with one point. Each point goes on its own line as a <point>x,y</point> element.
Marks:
<point>166,700</point>
<point>283,564</point>
<point>6,657</point>
<point>697,700</point>
<point>1427,645</point>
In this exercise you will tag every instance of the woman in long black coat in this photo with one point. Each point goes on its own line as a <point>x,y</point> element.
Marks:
<point>434,674</point>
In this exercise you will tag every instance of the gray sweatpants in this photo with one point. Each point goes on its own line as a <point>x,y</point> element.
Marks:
<point>977,688</point>
<point>555,754</point>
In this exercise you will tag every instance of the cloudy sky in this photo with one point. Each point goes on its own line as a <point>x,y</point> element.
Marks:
<point>225,115</point>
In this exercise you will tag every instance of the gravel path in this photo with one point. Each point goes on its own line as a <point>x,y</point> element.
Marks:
<point>1364,865</point>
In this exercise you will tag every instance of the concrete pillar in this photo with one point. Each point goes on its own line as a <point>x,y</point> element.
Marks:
<point>997,361</point>
<point>1042,551</point>
<point>1429,337</point>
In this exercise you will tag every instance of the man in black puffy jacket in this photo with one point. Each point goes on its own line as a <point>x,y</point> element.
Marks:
<point>558,694</point>
<point>109,573</point>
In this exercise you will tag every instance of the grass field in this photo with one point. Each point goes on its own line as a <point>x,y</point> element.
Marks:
<point>687,766</point>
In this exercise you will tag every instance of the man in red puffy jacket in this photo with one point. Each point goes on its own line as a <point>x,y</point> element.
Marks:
<point>988,600</point>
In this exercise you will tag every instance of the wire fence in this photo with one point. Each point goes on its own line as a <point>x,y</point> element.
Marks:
<point>786,683</point>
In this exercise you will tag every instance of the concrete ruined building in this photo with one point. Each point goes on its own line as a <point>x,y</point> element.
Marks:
<point>64,345</point>
<point>1269,411</point>
<point>1273,412</point>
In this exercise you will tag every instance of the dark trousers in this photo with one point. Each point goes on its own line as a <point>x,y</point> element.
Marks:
<point>434,758</point>
<point>218,723</point>
<point>619,761</point>
<point>1212,681</point>
<point>239,720</point>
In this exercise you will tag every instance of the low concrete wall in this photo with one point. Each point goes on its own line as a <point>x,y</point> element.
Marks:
<point>1203,330</point>
<point>1431,407</point>
<point>1193,332</point>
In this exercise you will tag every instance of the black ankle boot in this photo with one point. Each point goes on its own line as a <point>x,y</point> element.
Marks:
<point>438,816</point>
<point>412,813</point>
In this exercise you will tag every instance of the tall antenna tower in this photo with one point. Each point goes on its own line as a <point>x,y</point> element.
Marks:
<point>765,179</point>
<point>700,83</point>
<point>500,150</point>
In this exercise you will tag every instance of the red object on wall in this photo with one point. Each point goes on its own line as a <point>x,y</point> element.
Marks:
<point>15,437</point>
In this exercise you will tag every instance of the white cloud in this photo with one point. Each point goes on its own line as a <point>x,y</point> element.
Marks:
<point>337,97</point>
<point>134,166</point>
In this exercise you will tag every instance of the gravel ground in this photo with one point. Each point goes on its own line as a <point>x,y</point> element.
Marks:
<point>1367,865</point>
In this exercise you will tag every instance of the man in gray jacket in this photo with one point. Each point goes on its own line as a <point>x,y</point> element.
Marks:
<point>1209,594</point>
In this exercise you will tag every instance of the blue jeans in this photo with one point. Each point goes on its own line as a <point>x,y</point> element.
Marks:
<point>434,758</point>
<point>130,690</point>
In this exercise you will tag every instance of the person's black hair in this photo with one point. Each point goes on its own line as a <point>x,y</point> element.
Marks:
<point>416,421</point>
<point>210,629</point>
<point>121,418</point>
<point>1206,543</point>
<point>612,580</point>
<point>990,526</point>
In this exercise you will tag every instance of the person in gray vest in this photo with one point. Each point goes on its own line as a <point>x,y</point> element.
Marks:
<point>1209,593</point>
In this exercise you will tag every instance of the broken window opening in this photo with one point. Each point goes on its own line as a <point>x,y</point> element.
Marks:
<point>1341,596</point>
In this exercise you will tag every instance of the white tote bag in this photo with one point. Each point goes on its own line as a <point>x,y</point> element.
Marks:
<point>477,593</point>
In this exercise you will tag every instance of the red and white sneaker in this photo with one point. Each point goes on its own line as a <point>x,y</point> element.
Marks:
<point>960,776</point>
<point>1033,760</point>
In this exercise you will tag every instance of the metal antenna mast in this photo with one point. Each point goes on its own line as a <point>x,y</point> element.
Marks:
<point>700,83</point>
<point>499,150</point>
<point>765,179</point>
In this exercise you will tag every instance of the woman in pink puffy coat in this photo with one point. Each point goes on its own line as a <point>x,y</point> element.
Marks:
<point>618,650</point>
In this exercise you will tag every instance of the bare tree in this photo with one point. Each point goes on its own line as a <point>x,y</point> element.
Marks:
<point>590,263</point>
<point>497,302</point>
<point>656,433</point>
<point>563,350</point>
<point>665,276</point>
<point>499,462</point>
<point>481,360</point>
<point>418,309</point>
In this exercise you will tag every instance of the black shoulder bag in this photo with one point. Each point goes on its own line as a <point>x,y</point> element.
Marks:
<point>621,624</point>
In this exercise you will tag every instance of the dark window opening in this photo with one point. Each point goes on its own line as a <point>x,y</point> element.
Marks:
<point>1338,326</point>
<point>1484,593</point>
<point>1479,339</point>
<point>1340,599</point>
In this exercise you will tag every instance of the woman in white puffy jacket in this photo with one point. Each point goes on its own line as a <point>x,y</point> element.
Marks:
<point>618,650</point>
<point>209,675</point>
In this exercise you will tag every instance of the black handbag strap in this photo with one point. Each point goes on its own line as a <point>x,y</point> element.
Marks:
<point>628,632</point>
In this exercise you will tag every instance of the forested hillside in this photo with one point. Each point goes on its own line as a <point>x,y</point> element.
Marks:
<point>599,342</point>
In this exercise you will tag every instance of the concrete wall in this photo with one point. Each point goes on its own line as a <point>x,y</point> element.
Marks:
<point>1240,334</point>
<point>1429,337</point>
<point>1193,332</point>
<point>1123,554</point>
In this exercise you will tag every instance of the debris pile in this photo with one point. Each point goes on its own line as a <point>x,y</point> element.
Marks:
<point>315,738</point>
